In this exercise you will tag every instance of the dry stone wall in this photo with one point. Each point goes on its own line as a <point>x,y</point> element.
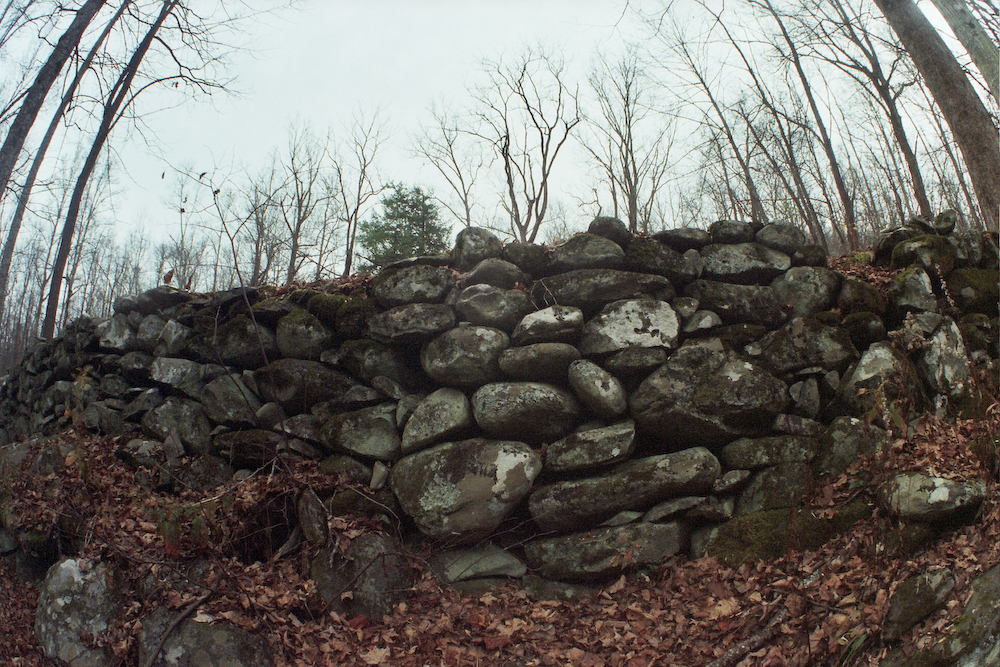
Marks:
<point>612,400</point>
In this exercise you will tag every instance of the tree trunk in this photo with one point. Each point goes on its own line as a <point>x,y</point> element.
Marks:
<point>29,183</point>
<point>112,107</point>
<point>35,96</point>
<point>975,40</point>
<point>967,117</point>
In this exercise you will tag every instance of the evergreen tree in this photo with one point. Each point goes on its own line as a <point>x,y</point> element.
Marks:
<point>408,226</point>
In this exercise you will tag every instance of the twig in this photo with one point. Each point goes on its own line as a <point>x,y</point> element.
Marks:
<point>751,643</point>
<point>184,613</point>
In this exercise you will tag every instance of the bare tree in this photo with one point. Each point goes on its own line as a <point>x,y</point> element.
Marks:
<point>445,146</point>
<point>36,94</point>
<point>301,193</point>
<point>354,178</point>
<point>972,34</point>
<point>632,157</point>
<point>526,112</point>
<point>57,117</point>
<point>970,122</point>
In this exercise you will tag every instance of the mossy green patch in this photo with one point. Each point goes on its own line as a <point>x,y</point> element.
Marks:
<point>772,533</point>
<point>325,307</point>
<point>353,315</point>
<point>301,297</point>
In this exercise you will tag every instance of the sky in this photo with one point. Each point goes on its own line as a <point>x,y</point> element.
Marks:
<point>327,60</point>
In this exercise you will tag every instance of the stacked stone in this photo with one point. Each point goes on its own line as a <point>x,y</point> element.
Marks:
<point>626,396</point>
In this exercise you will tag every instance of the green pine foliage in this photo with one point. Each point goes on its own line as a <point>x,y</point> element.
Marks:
<point>408,226</point>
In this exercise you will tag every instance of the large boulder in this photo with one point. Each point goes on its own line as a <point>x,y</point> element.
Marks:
<point>782,236</point>
<point>738,303</point>
<point>464,356</point>
<point>743,263</point>
<point>803,343</point>
<point>77,599</point>
<point>706,395</point>
<point>444,414</point>
<point>883,377</point>
<point>497,272</point>
<point>412,284</point>
<point>533,411</point>
<point>806,290</point>
<point>914,496</point>
<point>555,324</point>
<point>633,485</point>
<point>844,442</point>
<point>366,578</point>
<point>185,417</point>
<point>647,255</point>
<point>195,642</point>
<point>591,289</point>
<point>369,432</point>
<point>975,289</point>
<point>412,323</point>
<point>586,251</point>
<point>783,485</point>
<point>228,400</point>
<point>597,389</point>
<point>297,384</point>
<point>593,448</point>
<point>473,245</point>
<point>539,362</point>
<point>301,335</point>
<point>242,342</point>
<point>181,375</point>
<point>630,323</point>
<point>489,306</point>
<point>602,552</point>
<point>459,492</point>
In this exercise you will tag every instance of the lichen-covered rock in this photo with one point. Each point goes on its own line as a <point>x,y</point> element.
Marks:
<point>368,359</point>
<point>412,284</point>
<point>743,263</point>
<point>633,485</point>
<point>915,599</point>
<point>591,289</point>
<point>911,292</point>
<point>368,578</point>
<point>857,295</point>
<point>539,362</point>
<point>240,342</point>
<point>300,335</point>
<point>77,599</point>
<point>683,239</point>
<point>473,245</point>
<point>498,273</point>
<point>750,453</point>
<point>444,414</point>
<point>844,442</point>
<point>941,359</point>
<point>782,236</point>
<point>647,255</point>
<point>489,306</point>
<point>731,231</point>
<point>216,644</point>
<point>228,400</point>
<point>738,303</point>
<point>529,257</point>
<point>602,552</point>
<point>597,389</point>
<point>464,356</point>
<point>413,323</point>
<point>184,416</point>
<point>806,290</point>
<point>783,485</point>
<point>586,251</point>
<point>706,395</point>
<point>630,323</point>
<point>453,565</point>
<point>612,229</point>
<point>590,449</point>
<point>635,362</point>
<point>975,290</point>
<point>882,377</point>
<point>533,411</point>
<point>459,492</point>
<point>555,324</point>
<point>803,343</point>
<point>181,375</point>
<point>148,333</point>
<point>298,384</point>
<point>914,496</point>
<point>930,251</point>
<point>116,335</point>
<point>368,432</point>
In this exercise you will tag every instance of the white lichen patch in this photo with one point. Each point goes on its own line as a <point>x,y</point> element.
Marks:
<point>514,472</point>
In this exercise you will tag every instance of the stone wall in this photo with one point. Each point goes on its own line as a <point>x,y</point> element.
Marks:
<point>624,397</point>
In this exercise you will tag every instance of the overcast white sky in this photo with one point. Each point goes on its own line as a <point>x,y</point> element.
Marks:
<point>323,62</point>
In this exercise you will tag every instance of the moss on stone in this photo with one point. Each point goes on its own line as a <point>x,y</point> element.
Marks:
<point>770,534</point>
<point>325,307</point>
<point>353,315</point>
<point>301,297</point>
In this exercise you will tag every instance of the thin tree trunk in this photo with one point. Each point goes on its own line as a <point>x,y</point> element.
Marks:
<point>29,183</point>
<point>112,107</point>
<point>965,113</point>
<point>35,96</point>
